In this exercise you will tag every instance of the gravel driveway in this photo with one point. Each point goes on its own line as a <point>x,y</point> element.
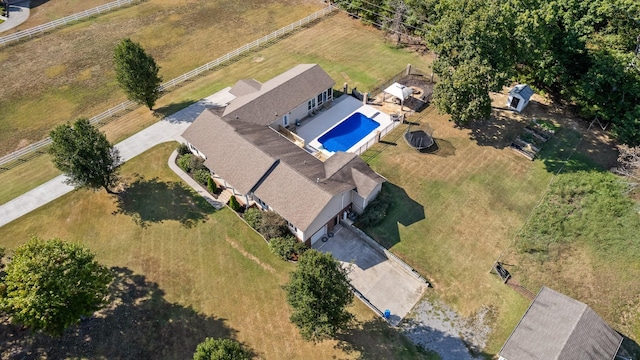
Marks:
<point>436,327</point>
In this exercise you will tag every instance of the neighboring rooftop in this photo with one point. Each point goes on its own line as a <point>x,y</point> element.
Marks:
<point>558,327</point>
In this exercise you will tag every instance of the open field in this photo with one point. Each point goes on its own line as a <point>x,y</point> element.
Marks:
<point>352,56</point>
<point>69,72</point>
<point>475,194</point>
<point>186,272</point>
<point>44,11</point>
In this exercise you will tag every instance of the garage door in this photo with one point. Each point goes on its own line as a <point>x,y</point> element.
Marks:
<point>317,236</point>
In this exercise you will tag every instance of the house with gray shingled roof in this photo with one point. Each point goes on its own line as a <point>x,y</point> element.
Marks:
<point>247,154</point>
<point>558,327</point>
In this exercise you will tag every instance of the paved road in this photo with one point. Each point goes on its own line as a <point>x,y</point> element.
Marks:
<point>18,13</point>
<point>167,129</point>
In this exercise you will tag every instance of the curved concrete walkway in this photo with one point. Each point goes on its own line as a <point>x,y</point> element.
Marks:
<point>167,129</point>
<point>18,13</point>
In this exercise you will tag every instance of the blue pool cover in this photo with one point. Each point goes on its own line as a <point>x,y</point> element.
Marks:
<point>348,133</point>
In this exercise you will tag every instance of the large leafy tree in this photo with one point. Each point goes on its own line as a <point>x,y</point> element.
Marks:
<point>220,349</point>
<point>137,73</point>
<point>84,154</point>
<point>50,284</point>
<point>463,92</point>
<point>318,292</point>
<point>472,45</point>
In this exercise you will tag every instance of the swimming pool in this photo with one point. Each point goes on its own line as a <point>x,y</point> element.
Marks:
<point>348,133</point>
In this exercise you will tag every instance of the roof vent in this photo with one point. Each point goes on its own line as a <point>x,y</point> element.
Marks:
<point>317,180</point>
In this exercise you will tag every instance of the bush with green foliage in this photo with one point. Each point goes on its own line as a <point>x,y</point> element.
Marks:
<point>234,204</point>
<point>273,225</point>
<point>211,185</point>
<point>183,149</point>
<point>287,248</point>
<point>196,163</point>
<point>202,176</point>
<point>375,212</point>
<point>184,162</point>
<point>50,284</point>
<point>220,349</point>
<point>253,217</point>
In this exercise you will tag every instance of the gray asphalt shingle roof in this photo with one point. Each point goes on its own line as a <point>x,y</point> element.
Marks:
<point>279,95</point>
<point>251,156</point>
<point>523,90</point>
<point>558,327</point>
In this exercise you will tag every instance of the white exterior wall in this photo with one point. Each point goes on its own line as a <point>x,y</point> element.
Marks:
<point>360,203</point>
<point>195,151</point>
<point>298,113</point>
<point>334,206</point>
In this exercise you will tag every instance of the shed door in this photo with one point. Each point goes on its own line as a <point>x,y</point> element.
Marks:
<point>514,102</point>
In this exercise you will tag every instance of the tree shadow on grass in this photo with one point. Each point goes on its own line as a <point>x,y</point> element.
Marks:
<point>167,110</point>
<point>154,201</point>
<point>138,323</point>
<point>403,210</point>
<point>497,131</point>
<point>555,153</point>
<point>390,342</point>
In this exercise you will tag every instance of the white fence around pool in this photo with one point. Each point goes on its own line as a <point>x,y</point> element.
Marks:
<point>379,135</point>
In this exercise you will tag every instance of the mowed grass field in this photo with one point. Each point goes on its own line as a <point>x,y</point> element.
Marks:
<point>185,272</point>
<point>456,210</point>
<point>44,11</point>
<point>349,51</point>
<point>69,72</point>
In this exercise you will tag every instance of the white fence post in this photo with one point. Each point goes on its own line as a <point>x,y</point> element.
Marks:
<point>62,21</point>
<point>193,73</point>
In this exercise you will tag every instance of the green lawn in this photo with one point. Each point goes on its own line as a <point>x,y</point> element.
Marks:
<point>69,72</point>
<point>356,54</point>
<point>454,212</point>
<point>185,272</point>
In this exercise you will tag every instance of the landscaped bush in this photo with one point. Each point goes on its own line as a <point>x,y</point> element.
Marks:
<point>183,149</point>
<point>196,163</point>
<point>375,212</point>
<point>273,225</point>
<point>211,185</point>
<point>234,204</point>
<point>202,176</point>
<point>253,217</point>
<point>184,162</point>
<point>287,248</point>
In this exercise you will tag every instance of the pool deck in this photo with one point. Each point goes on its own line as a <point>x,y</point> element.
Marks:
<point>342,108</point>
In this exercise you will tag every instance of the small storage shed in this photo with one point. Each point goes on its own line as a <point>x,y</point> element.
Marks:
<point>519,97</point>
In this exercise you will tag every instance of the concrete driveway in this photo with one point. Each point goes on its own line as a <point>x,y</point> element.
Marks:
<point>386,284</point>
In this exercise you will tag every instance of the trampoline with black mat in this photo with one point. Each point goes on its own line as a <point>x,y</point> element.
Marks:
<point>419,137</point>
